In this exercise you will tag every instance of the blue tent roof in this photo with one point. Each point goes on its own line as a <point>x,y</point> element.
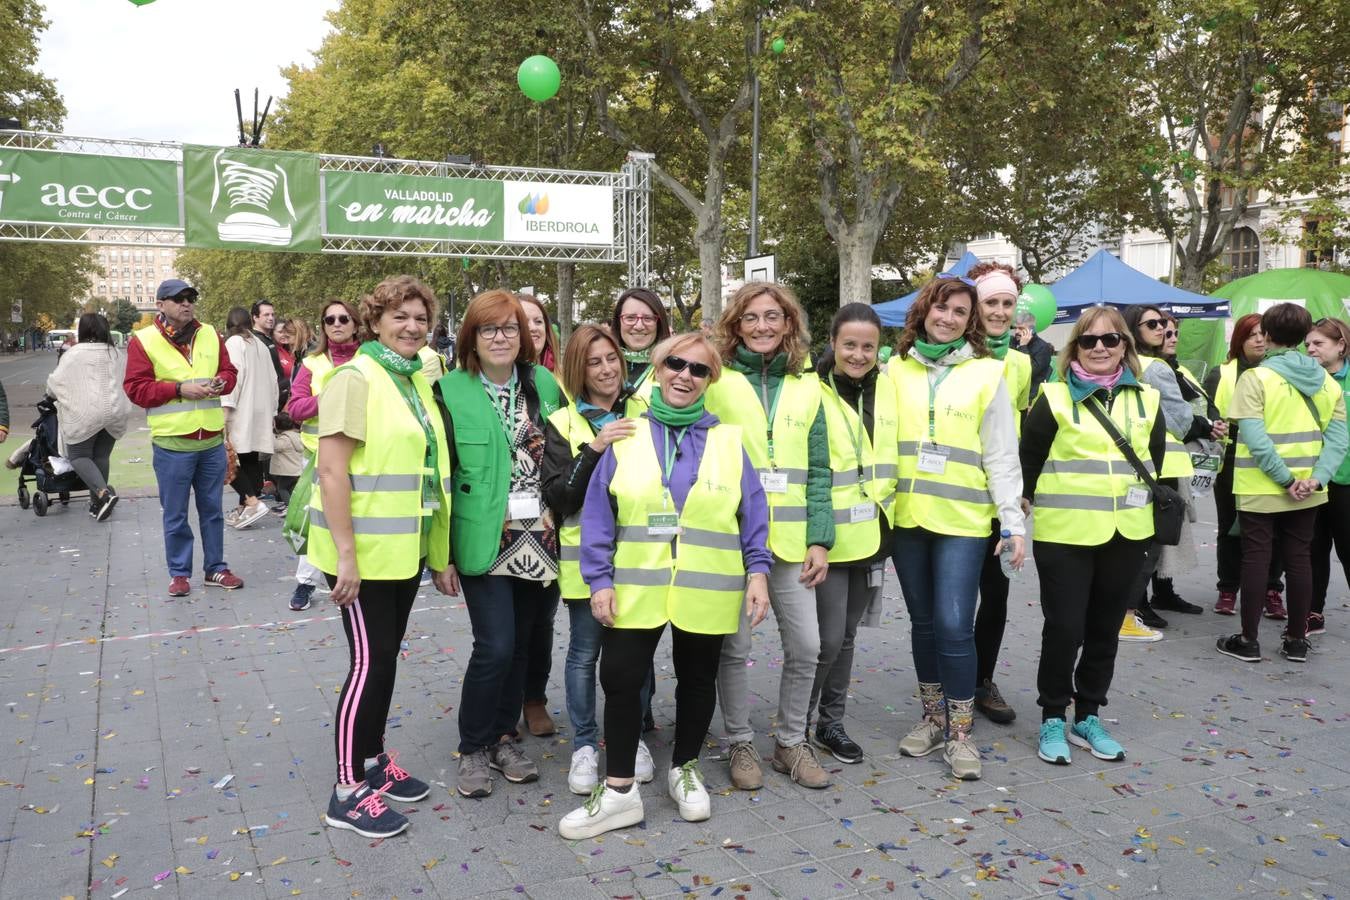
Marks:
<point>1105,279</point>
<point>892,312</point>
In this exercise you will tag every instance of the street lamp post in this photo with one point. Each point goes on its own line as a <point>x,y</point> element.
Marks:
<point>753,249</point>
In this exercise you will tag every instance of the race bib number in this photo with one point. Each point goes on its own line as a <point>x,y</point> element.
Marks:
<point>1206,467</point>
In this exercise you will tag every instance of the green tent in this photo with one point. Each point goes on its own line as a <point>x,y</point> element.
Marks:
<point>1322,293</point>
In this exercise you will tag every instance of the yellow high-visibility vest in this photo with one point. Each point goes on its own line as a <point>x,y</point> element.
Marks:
<point>1223,394</point>
<point>1291,427</point>
<point>574,429</point>
<point>182,416</point>
<point>320,368</point>
<point>865,469</point>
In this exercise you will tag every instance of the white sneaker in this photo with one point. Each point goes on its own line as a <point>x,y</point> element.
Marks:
<point>251,514</point>
<point>644,770</point>
<point>582,777</point>
<point>605,810</point>
<point>686,789</point>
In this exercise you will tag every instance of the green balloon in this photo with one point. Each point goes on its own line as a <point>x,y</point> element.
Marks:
<point>778,45</point>
<point>142,2</point>
<point>539,78</point>
<point>1037,300</point>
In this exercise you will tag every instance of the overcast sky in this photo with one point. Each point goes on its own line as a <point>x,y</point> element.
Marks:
<point>167,71</point>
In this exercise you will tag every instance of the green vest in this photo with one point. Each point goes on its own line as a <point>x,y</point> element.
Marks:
<point>1291,427</point>
<point>857,533</point>
<point>386,474</point>
<point>1082,494</point>
<point>181,416</point>
<point>1177,460</point>
<point>696,579</point>
<point>320,369</point>
<point>481,478</point>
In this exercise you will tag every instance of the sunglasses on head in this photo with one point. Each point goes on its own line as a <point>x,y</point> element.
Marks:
<point>679,364</point>
<point>1111,340</point>
<point>339,319</point>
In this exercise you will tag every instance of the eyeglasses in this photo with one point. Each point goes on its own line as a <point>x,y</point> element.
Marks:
<point>340,319</point>
<point>634,319</point>
<point>772,317</point>
<point>948,276</point>
<point>679,364</point>
<point>1111,340</point>
<point>1152,323</point>
<point>507,331</point>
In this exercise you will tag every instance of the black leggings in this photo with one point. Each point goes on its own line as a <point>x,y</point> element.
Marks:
<point>992,615</point>
<point>375,625</point>
<point>249,479</point>
<point>625,659</point>
<point>1227,545</point>
<point>1333,529</point>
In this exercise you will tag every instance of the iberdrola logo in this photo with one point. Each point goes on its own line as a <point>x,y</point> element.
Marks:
<point>533,204</point>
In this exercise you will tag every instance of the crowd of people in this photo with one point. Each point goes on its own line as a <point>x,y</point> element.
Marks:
<point>652,481</point>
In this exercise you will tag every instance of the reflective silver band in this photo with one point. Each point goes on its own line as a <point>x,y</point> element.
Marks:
<point>372,524</point>
<point>177,406</point>
<point>954,454</point>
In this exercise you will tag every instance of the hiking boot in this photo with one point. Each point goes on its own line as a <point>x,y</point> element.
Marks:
<point>1091,735</point>
<point>799,763</point>
<point>1226,604</point>
<point>604,810</point>
<point>1238,647</point>
<point>475,774</point>
<point>990,702</point>
<point>300,600</point>
<point>685,785</point>
<point>537,720</point>
<point>644,769</point>
<point>842,747</point>
<point>389,779</point>
<point>512,762</point>
<point>1317,623</point>
<point>365,813</point>
<point>584,772</point>
<point>1295,649</point>
<point>1166,597</point>
<point>1053,748</point>
<point>224,578</point>
<point>923,738</point>
<point>1275,606</point>
<point>1136,631</point>
<point>746,774</point>
<point>179,587</point>
<point>963,758</point>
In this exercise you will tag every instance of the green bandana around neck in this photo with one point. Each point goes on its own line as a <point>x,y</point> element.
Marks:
<point>937,351</point>
<point>638,356</point>
<point>666,414</point>
<point>998,346</point>
<point>391,361</point>
<point>396,364</point>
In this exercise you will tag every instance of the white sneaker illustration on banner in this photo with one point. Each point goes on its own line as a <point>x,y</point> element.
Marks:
<point>259,200</point>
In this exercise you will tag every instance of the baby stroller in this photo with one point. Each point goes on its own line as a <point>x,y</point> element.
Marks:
<point>38,466</point>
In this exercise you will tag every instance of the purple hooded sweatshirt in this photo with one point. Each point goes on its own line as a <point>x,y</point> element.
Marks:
<point>597,514</point>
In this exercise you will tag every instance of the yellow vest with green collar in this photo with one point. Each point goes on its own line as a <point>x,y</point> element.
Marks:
<point>1291,427</point>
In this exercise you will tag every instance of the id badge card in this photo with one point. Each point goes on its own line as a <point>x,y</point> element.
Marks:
<point>666,524</point>
<point>774,482</point>
<point>862,512</point>
<point>933,458</point>
<point>523,505</point>
<point>1136,497</point>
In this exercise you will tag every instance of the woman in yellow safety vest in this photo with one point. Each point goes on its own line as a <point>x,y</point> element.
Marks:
<point>337,345</point>
<point>958,471</point>
<point>380,513</point>
<point>862,415</point>
<point>1329,343</point>
<point>593,374</point>
<point>1094,522</point>
<point>673,531</point>
<point>768,391</point>
<point>997,287</point>
<point>1246,349</point>
<point>640,323</point>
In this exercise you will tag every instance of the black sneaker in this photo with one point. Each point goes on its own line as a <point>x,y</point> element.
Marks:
<point>1167,598</point>
<point>1238,647</point>
<point>395,783</point>
<point>1295,649</point>
<point>365,813</point>
<point>105,505</point>
<point>300,600</point>
<point>1150,618</point>
<point>842,747</point>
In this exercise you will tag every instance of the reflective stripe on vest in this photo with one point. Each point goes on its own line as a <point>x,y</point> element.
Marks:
<point>957,501</point>
<point>321,369</point>
<point>695,580</point>
<point>1081,494</point>
<point>735,401</point>
<point>576,430</point>
<point>179,417</point>
<point>385,478</point>
<point>860,540</point>
<point>1176,458</point>
<point>1287,419</point>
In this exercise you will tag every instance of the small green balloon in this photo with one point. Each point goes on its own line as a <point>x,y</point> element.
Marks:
<point>778,45</point>
<point>142,2</point>
<point>539,78</point>
<point>1037,300</point>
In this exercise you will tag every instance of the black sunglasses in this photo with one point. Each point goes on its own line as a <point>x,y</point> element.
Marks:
<point>340,319</point>
<point>1111,340</point>
<point>1170,333</point>
<point>183,298</point>
<point>679,364</point>
<point>1152,323</point>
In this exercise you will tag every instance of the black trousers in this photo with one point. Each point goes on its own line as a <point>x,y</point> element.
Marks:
<point>1333,529</point>
<point>1228,546</point>
<point>1291,533</point>
<point>625,659</point>
<point>1084,594</point>
<point>992,616</point>
<point>539,661</point>
<point>375,624</point>
<point>248,480</point>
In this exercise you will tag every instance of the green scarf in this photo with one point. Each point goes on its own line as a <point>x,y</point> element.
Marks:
<point>398,365</point>
<point>666,414</point>
<point>638,356</point>
<point>998,346</point>
<point>937,351</point>
<point>389,360</point>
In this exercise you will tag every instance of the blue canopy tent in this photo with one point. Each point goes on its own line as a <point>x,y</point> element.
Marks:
<point>892,312</point>
<point>1103,279</point>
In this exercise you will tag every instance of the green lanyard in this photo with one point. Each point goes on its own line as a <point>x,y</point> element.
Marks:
<point>668,455</point>
<point>771,407</point>
<point>508,418</point>
<point>932,400</point>
<point>855,439</point>
<point>409,395</point>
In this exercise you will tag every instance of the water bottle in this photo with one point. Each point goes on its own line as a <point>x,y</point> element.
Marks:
<point>1005,556</point>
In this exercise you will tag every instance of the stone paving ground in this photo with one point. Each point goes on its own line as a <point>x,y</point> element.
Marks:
<point>162,748</point>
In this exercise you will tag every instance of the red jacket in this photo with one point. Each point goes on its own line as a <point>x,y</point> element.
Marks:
<point>148,392</point>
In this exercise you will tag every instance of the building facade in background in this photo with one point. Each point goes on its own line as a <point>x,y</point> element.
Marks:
<point>130,273</point>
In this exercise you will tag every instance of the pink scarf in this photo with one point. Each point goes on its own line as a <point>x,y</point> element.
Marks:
<point>1104,381</point>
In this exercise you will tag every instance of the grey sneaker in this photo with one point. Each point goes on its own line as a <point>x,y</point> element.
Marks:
<point>923,738</point>
<point>964,759</point>
<point>746,773</point>
<point>475,776</point>
<point>514,765</point>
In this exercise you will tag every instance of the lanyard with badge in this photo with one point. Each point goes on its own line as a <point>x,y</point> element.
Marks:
<point>430,501</point>
<point>932,455</point>
<point>666,521</point>
<point>773,481</point>
<point>867,510</point>
<point>519,504</point>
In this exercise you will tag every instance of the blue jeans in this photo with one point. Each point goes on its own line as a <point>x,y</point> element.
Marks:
<point>940,577</point>
<point>201,472</point>
<point>583,650</point>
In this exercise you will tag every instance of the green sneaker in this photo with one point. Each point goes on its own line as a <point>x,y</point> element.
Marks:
<point>1091,735</point>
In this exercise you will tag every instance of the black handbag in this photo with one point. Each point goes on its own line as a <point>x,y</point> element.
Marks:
<point>1169,509</point>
